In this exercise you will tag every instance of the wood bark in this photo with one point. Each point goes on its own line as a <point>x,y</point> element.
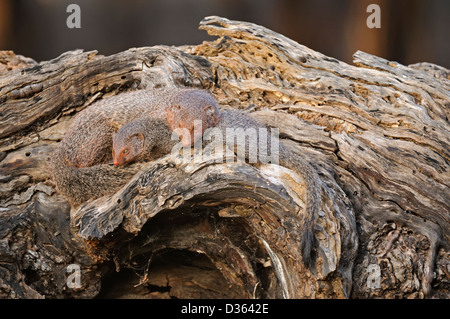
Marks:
<point>376,132</point>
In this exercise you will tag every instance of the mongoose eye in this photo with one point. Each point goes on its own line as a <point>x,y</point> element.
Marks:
<point>126,151</point>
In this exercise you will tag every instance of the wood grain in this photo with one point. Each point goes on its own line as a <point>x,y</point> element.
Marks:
<point>377,133</point>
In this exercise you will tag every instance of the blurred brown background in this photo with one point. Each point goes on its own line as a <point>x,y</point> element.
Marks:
<point>411,30</point>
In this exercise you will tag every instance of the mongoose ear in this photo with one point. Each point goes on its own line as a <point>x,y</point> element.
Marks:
<point>171,111</point>
<point>212,116</point>
<point>139,135</point>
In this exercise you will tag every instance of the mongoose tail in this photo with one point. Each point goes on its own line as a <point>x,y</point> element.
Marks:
<point>313,190</point>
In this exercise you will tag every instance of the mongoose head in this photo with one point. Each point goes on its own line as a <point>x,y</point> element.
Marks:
<point>141,140</point>
<point>192,112</point>
<point>127,145</point>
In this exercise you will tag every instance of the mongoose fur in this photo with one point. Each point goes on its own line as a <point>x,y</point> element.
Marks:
<point>81,164</point>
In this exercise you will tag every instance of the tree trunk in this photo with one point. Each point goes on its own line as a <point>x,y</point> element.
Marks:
<point>377,134</point>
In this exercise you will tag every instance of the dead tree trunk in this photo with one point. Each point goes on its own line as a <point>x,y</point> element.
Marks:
<point>377,133</point>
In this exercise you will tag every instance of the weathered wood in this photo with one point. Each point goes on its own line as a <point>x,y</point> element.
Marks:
<point>377,133</point>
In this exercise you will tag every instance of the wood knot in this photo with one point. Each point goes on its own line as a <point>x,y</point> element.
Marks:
<point>26,91</point>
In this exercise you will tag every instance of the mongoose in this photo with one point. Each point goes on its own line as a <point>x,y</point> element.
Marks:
<point>148,138</point>
<point>81,163</point>
<point>232,120</point>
